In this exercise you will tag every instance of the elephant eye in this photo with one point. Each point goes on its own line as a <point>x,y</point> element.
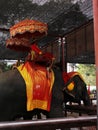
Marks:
<point>70,87</point>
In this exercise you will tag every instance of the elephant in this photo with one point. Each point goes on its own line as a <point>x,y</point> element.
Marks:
<point>13,96</point>
<point>79,91</point>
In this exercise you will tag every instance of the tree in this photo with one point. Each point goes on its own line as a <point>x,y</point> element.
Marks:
<point>88,71</point>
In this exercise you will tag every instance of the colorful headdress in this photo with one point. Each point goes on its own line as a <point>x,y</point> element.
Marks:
<point>36,49</point>
<point>48,56</point>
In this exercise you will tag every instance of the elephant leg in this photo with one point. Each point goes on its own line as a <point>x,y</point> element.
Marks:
<point>27,117</point>
<point>56,109</point>
<point>56,112</point>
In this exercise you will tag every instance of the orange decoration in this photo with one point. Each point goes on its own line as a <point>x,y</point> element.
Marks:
<point>38,86</point>
<point>25,33</point>
<point>35,48</point>
<point>29,29</point>
<point>16,44</point>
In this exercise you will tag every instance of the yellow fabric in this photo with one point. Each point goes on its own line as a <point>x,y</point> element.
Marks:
<point>37,85</point>
<point>70,87</point>
<point>32,55</point>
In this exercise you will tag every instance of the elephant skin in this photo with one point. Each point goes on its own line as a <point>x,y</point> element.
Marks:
<point>13,96</point>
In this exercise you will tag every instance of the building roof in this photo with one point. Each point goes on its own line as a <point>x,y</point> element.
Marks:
<point>61,16</point>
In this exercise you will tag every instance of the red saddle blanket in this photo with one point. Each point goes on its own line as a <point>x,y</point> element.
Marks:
<point>38,85</point>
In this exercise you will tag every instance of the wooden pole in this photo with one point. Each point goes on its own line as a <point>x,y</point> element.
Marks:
<point>64,63</point>
<point>95,17</point>
<point>63,56</point>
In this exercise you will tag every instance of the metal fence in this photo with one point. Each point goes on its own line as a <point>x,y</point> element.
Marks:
<point>50,124</point>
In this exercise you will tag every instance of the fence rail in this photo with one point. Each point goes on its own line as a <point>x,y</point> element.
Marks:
<point>92,110</point>
<point>57,123</point>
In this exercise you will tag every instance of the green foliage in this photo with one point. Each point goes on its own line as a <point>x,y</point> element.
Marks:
<point>88,71</point>
<point>4,67</point>
<point>7,67</point>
